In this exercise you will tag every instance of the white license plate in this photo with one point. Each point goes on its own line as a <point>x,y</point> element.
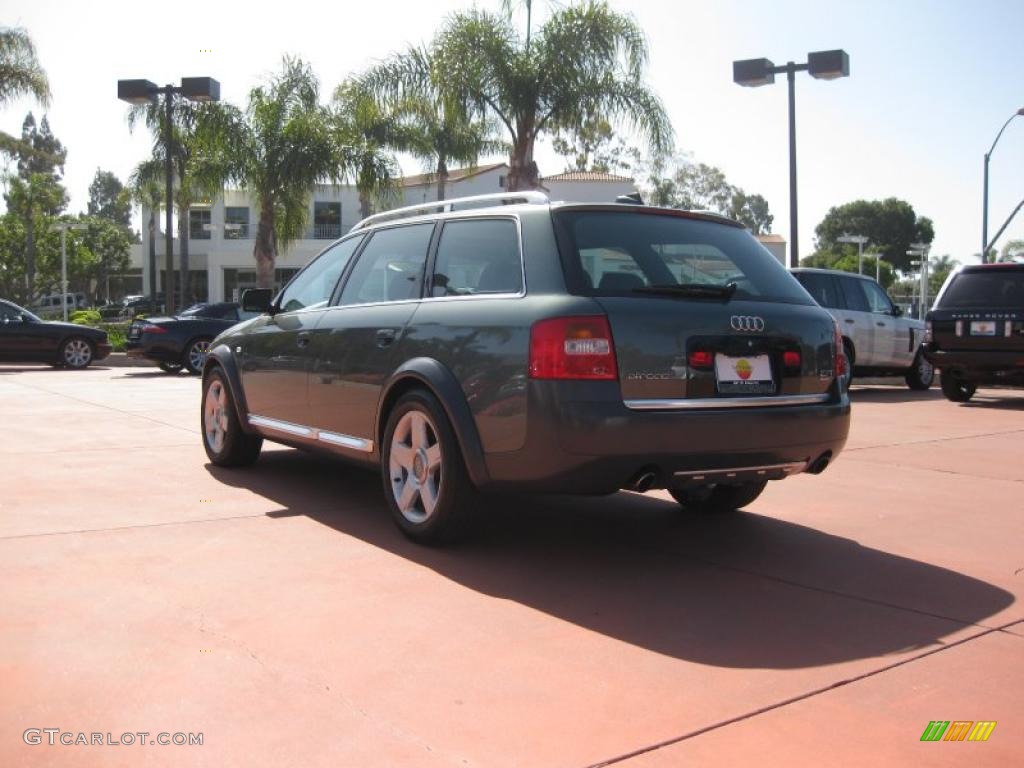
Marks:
<point>744,375</point>
<point>983,328</point>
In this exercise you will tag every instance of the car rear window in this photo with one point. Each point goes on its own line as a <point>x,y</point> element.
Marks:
<point>999,287</point>
<point>613,253</point>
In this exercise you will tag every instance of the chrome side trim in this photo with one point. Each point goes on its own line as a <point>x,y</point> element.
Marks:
<point>346,441</point>
<point>332,438</point>
<point>704,403</point>
<point>280,426</point>
<point>790,467</point>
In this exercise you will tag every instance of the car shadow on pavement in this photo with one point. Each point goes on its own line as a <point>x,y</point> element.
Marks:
<point>741,590</point>
<point>881,394</point>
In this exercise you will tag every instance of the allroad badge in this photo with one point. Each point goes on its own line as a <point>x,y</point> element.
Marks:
<point>746,323</point>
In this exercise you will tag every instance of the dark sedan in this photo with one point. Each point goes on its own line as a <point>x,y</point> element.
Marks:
<point>184,340</point>
<point>25,338</point>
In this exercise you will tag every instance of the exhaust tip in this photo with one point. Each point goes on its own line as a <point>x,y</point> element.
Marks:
<point>643,481</point>
<point>820,464</point>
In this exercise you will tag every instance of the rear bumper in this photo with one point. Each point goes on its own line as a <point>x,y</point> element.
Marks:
<point>103,351</point>
<point>976,360</point>
<point>581,438</point>
<point>159,353</point>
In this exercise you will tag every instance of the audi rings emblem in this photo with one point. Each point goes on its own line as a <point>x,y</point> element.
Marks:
<point>746,323</point>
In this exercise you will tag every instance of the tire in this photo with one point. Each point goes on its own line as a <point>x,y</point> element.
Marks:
<point>76,353</point>
<point>957,390</point>
<point>718,499</point>
<point>194,357</point>
<point>225,442</point>
<point>170,367</point>
<point>426,485</point>
<point>921,373</point>
<point>846,380</point>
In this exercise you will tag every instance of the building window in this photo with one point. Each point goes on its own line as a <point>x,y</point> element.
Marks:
<point>501,181</point>
<point>236,223</point>
<point>326,221</point>
<point>199,224</point>
<point>238,280</point>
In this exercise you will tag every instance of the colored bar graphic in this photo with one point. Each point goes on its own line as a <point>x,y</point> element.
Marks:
<point>982,730</point>
<point>935,730</point>
<point>958,730</point>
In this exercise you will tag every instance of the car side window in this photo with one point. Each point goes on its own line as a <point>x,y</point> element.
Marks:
<point>477,256</point>
<point>390,268</point>
<point>854,294</point>
<point>821,287</point>
<point>9,314</point>
<point>314,285</point>
<point>878,299</point>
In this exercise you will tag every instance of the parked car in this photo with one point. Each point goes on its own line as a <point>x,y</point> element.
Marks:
<point>879,340</point>
<point>975,330</point>
<point>463,349</point>
<point>53,304</point>
<point>182,341</point>
<point>24,337</point>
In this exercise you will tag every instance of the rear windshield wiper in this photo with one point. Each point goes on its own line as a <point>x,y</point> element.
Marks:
<point>691,290</point>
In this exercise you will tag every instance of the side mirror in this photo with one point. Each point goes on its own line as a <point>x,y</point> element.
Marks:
<point>897,310</point>
<point>257,300</point>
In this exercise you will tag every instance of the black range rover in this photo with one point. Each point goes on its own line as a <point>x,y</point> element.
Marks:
<point>975,330</point>
<point>505,343</point>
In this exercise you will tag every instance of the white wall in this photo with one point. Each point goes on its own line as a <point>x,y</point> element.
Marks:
<point>587,191</point>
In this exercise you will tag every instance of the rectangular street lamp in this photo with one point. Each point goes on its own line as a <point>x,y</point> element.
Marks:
<point>200,89</point>
<point>823,65</point>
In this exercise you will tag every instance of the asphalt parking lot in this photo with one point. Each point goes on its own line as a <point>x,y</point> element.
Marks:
<point>278,612</point>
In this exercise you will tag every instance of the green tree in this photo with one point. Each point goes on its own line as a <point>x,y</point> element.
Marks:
<point>20,75</point>
<point>1012,251</point>
<point>939,268</point>
<point>586,60</point>
<point>108,199</point>
<point>429,122</point>
<point>278,148</point>
<point>596,147</point>
<point>366,132</point>
<point>891,226</point>
<point>146,189</point>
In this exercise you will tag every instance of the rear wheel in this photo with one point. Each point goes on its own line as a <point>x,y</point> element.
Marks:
<point>847,378</point>
<point>76,352</point>
<point>225,442</point>
<point>921,373</point>
<point>195,355</point>
<point>426,484</point>
<point>956,389</point>
<point>716,499</point>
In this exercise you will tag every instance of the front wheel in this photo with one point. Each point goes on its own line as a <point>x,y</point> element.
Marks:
<point>426,484</point>
<point>76,353</point>
<point>957,390</point>
<point>195,355</point>
<point>225,442</point>
<point>921,373</point>
<point>716,499</point>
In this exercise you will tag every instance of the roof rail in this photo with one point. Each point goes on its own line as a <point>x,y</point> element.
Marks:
<point>531,196</point>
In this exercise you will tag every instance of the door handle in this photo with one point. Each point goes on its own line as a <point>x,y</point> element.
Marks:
<point>849,320</point>
<point>385,337</point>
<point>880,324</point>
<point>302,340</point>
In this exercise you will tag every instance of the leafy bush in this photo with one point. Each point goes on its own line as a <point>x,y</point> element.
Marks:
<point>86,317</point>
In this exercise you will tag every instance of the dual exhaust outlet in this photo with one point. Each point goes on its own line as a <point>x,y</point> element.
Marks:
<point>652,477</point>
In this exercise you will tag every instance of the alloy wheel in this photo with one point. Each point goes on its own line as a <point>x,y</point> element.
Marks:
<point>415,466</point>
<point>197,354</point>
<point>77,353</point>
<point>215,417</point>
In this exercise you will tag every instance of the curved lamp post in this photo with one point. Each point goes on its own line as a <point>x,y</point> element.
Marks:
<point>984,206</point>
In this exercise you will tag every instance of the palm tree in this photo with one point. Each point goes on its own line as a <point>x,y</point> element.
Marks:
<point>585,60</point>
<point>278,148</point>
<point>145,187</point>
<point>366,131</point>
<point>438,129</point>
<point>20,75</point>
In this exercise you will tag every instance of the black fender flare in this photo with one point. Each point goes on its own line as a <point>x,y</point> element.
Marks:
<point>441,382</point>
<point>220,357</point>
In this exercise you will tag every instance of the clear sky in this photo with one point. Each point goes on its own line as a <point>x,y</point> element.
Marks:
<point>931,82</point>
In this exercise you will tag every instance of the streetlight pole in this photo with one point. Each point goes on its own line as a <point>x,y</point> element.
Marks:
<point>823,65</point>
<point>921,250</point>
<point>984,204</point>
<point>63,227</point>
<point>144,92</point>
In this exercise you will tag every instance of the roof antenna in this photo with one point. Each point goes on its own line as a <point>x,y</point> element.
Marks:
<point>633,198</point>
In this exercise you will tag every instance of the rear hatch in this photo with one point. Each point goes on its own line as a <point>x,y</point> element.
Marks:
<point>135,330</point>
<point>698,309</point>
<point>981,308</point>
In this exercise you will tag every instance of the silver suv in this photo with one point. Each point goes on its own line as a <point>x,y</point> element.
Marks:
<point>878,339</point>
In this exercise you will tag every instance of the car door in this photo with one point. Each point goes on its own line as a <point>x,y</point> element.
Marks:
<point>890,335</point>
<point>856,321</point>
<point>274,356</point>
<point>358,343</point>
<point>12,335</point>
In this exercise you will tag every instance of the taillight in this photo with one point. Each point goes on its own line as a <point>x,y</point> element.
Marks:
<point>839,354</point>
<point>929,332</point>
<point>572,348</point>
<point>791,359</point>
<point>150,328</point>
<point>700,358</point>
